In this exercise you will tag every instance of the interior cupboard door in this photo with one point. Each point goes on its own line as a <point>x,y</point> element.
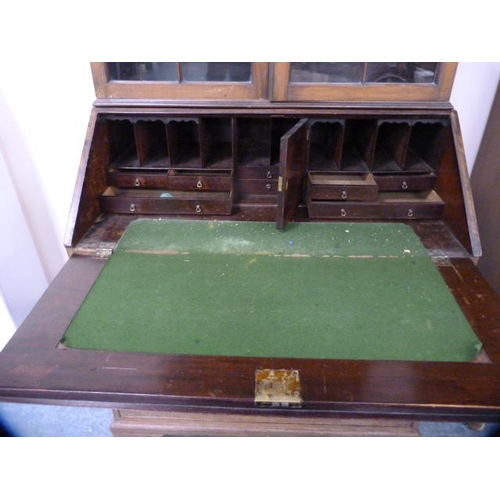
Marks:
<point>293,161</point>
<point>362,81</point>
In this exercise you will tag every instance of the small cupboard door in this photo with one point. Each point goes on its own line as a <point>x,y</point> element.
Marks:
<point>360,81</point>
<point>215,81</point>
<point>293,162</point>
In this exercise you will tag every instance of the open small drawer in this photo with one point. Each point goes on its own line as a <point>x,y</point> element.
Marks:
<point>342,186</point>
<point>158,201</point>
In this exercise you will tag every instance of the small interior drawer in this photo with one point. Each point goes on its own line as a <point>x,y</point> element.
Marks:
<point>407,206</point>
<point>142,201</point>
<point>258,186</point>
<point>269,172</point>
<point>201,181</point>
<point>406,182</point>
<point>342,186</point>
<point>138,179</point>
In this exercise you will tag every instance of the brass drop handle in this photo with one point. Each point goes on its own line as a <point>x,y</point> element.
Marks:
<point>198,209</point>
<point>137,182</point>
<point>343,195</point>
<point>132,207</point>
<point>343,213</point>
<point>404,185</point>
<point>199,184</point>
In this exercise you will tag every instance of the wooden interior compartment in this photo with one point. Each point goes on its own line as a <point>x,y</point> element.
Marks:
<point>389,206</point>
<point>392,146</point>
<point>359,145</point>
<point>426,145</point>
<point>151,144</point>
<point>122,144</point>
<point>325,144</point>
<point>183,138</point>
<point>253,142</point>
<point>158,202</point>
<point>216,142</point>
<point>342,186</point>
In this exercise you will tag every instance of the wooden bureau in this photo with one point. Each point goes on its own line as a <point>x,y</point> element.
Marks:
<point>279,143</point>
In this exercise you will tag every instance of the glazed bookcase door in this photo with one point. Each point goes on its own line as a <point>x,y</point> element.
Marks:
<point>361,81</point>
<point>190,81</point>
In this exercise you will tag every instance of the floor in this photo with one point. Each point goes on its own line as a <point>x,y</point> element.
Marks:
<point>64,421</point>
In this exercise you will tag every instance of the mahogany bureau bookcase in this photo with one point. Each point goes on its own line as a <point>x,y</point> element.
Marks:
<point>268,249</point>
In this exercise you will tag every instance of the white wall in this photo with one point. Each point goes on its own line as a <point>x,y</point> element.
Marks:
<point>472,95</point>
<point>44,112</point>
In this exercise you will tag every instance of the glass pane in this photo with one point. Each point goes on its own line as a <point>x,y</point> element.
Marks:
<point>144,71</point>
<point>326,72</point>
<point>401,72</point>
<point>216,71</point>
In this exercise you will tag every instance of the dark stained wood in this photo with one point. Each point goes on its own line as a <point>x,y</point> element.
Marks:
<point>453,187</point>
<point>293,164</point>
<point>91,181</point>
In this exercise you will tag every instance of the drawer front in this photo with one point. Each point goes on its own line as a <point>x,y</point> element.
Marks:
<point>221,205</point>
<point>138,179</point>
<point>342,187</point>
<point>375,211</point>
<point>414,182</point>
<point>201,182</point>
<point>340,192</point>
<point>269,173</point>
<point>258,186</point>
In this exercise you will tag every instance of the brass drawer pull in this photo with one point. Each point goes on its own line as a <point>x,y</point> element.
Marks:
<point>410,213</point>
<point>343,195</point>
<point>133,207</point>
<point>137,182</point>
<point>269,175</point>
<point>404,185</point>
<point>198,209</point>
<point>343,213</point>
<point>199,184</point>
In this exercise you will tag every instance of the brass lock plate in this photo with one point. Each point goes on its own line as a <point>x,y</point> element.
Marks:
<point>277,388</point>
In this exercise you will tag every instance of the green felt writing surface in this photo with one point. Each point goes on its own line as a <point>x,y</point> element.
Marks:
<point>345,291</point>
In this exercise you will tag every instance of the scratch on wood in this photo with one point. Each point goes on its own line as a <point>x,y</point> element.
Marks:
<point>458,274</point>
